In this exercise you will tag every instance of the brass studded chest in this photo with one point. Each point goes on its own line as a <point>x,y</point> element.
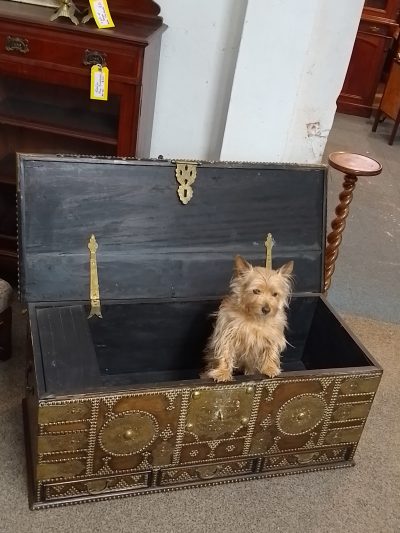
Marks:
<point>114,405</point>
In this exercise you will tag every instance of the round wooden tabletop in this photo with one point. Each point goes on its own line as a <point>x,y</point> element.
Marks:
<point>355,164</point>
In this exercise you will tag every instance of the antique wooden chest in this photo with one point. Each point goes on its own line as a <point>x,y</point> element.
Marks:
<point>114,405</point>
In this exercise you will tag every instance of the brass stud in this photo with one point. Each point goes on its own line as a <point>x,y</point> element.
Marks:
<point>244,421</point>
<point>128,434</point>
<point>196,394</point>
<point>249,389</point>
<point>189,425</point>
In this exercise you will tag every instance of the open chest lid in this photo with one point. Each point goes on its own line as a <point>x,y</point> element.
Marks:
<point>151,245</point>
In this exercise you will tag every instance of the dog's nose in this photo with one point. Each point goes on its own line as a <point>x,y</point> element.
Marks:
<point>266,309</point>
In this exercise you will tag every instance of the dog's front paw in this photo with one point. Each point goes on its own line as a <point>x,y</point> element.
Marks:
<point>271,370</point>
<point>220,374</point>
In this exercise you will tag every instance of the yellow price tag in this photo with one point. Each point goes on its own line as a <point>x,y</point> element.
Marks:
<point>101,13</point>
<point>98,83</point>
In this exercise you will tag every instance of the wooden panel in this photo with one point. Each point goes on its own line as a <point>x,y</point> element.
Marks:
<point>357,95</point>
<point>390,103</point>
<point>150,245</point>
<point>388,9</point>
<point>68,354</point>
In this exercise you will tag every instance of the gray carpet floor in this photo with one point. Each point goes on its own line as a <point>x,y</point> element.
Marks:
<point>365,498</point>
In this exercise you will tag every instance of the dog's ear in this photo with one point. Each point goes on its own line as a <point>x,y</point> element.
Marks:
<point>241,266</point>
<point>286,269</point>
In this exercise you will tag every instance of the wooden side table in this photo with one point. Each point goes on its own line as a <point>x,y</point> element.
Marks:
<point>44,91</point>
<point>352,166</point>
<point>390,103</point>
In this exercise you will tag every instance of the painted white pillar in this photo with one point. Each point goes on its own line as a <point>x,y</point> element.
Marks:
<point>251,80</point>
<point>198,57</point>
<point>291,66</point>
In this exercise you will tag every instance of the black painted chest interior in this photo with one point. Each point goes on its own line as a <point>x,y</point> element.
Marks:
<point>164,266</point>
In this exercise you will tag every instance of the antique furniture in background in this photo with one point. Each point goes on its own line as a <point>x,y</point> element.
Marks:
<point>390,103</point>
<point>378,27</point>
<point>116,408</point>
<point>44,91</point>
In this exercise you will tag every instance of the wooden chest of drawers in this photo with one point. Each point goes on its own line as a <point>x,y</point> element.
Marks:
<point>44,92</point>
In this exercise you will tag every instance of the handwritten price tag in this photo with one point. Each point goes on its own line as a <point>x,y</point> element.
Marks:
<point>98,83</point>
<point>101,13</point>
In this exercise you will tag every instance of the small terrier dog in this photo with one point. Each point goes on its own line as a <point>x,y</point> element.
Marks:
<point>249,333</point>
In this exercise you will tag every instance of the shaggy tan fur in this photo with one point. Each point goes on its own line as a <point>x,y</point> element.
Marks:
<point>249,333</point>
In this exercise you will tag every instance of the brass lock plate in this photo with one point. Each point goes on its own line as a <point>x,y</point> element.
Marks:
<point>218,413</point>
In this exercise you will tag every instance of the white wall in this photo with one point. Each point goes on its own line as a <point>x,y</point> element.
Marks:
<point>251,80</point>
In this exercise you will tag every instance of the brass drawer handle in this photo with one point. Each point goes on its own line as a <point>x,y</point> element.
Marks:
<point>97,486</point>
<point>208,472</point>
<point>305,458</point>
<point>94,57</point>
<point>375,29</point>
<point>17,44</point>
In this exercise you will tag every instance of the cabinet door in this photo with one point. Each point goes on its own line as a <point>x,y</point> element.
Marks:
<point>383,8</point>
<point>357,96</point>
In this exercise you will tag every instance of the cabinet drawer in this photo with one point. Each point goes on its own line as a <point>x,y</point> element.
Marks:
<point>360,385</point>
<point>206,472</point>
<point>51,414</point>
<point>350,411</point>
<point>57,50</point>
<point>64,468</point>
<point>376,28</point>
<point>96,486</point>
<point>67,442</point>
<point>339,435</point>
<point>314,457</point>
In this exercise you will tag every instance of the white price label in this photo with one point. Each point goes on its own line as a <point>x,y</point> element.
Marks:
<point>99,83</point>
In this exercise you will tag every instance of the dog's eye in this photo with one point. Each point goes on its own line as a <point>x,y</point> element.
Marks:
<point>256,291</point>
<point>275,294</point>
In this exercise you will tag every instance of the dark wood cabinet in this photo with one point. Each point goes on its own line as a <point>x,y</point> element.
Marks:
<point>378,27</point>
<point>44,92</point>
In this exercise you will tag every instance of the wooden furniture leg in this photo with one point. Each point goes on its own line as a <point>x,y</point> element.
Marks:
<point>377,119</point>
<point>352,165</point>
<point>394,130</point>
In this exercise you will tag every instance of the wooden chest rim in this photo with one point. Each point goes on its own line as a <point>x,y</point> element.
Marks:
<point>199,384</point>
<point>373,369</point>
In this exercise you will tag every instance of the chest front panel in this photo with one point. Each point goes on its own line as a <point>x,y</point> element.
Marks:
<point>162,437</point>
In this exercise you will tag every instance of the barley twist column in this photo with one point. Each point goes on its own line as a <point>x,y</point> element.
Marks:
<point>352,165</point>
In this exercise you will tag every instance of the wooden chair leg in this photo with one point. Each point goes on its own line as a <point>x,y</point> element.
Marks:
<point>377,119</point>
<point>394,130</point>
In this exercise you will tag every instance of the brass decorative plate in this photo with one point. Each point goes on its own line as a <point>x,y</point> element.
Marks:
<point>301,414</point>
<point>129,433</point>
<point>218,413</point>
